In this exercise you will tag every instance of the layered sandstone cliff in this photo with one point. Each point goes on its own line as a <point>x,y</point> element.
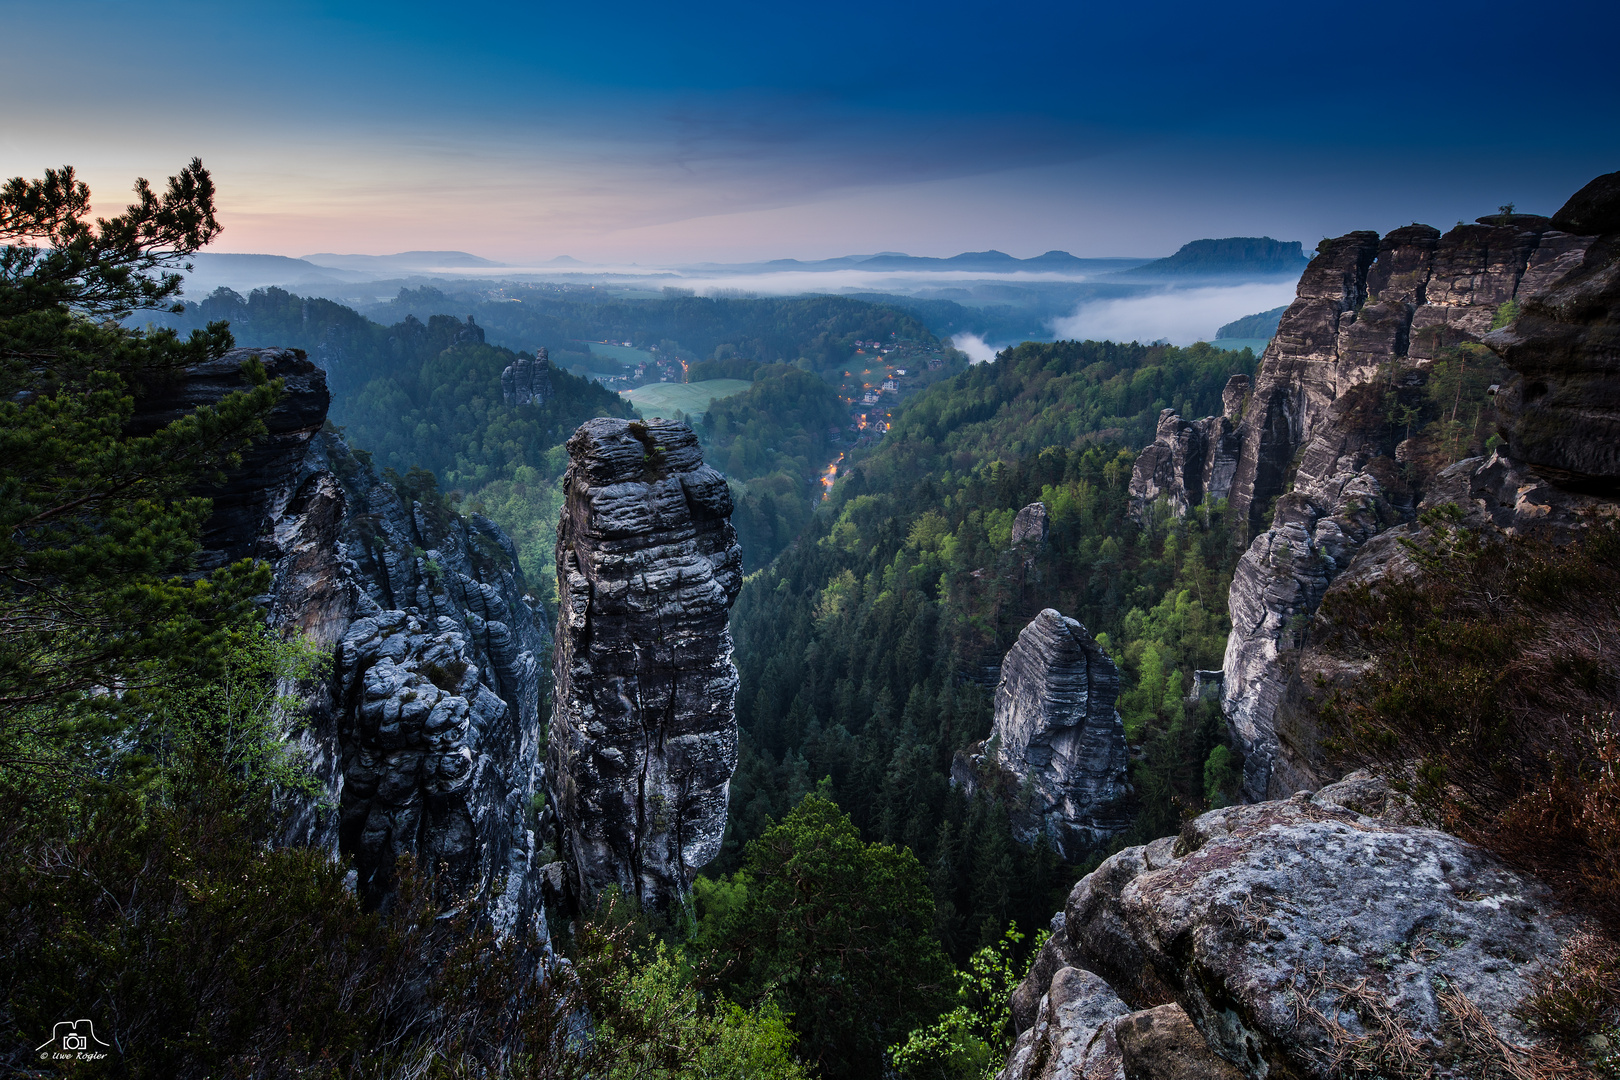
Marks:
<point>1057,745</point>
<point>643,736</point>
<point>1321,469</point>
<point>425,735</point>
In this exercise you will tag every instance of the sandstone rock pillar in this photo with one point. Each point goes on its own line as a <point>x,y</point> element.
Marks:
<point>643,736</point>
<point>1057,747</point>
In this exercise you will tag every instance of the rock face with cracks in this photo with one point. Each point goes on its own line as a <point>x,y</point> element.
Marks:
<point>1320,473</point>
<point>1298,938</point>
<point>643,734</point>
<point>425,736</point>
<point>1057,741</point>
<point>1190,460</point>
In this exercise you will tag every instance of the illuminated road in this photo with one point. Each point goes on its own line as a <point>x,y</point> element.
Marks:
<point>828,476</point>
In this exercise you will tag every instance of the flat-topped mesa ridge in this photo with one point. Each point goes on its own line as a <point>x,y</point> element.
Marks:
<point>1057,744</point>
<point>527,382</point>
<point>643,733</point>
<point>425,737</point>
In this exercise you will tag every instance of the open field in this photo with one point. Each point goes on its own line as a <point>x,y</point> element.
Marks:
<point>662,399</point>
<point>622,354</point>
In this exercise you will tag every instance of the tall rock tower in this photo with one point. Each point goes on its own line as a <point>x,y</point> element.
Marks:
<point>643,732</point>
<point>1057,749</point>
<point>527,382</point>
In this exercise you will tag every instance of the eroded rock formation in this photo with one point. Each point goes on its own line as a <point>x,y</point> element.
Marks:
<point>1057,744</point>
<point>1191,460</point>
<point>643,733</point>
<point>527,382</point>
<point>1031,525</point>
<point>1318,450</point>
<point>425,736</point>
<point>1269,938</point>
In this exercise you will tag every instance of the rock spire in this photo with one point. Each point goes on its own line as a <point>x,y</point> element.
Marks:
<point>1057,742</point>
<point>527,382</point>
<point>643,732</point>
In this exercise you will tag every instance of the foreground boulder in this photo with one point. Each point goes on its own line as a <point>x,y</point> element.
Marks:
<point>644,732</point>
<point>1057,743</point>
<point>1306,937</point>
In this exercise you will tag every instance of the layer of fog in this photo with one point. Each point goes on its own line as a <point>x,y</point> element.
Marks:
<point>978,352</point>
<point>779,282</point>
<point>1179,316</point>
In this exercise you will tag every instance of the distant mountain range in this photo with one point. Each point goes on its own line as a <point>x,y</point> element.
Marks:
<point>994,262</point>
<point>1246,256</point>
<point>336,275</point>
<point>404,261</point>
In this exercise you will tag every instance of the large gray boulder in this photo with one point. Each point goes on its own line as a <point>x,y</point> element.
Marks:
<point>1295,932</point>
<point>1057,745</point>
<point>643,732</point>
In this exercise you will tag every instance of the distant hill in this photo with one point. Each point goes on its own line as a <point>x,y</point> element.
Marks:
<point>992,262</point>
<point>402,261</point>
<point>1262,325</point>
<point>244,272</point>
<point>1235,256</point>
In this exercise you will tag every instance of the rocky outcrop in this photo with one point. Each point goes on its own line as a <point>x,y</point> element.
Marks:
<point>1057,744</point>
<point>643,734</point>
<point>527,382</point>
<point>1562,415</point>
<point>1319,450</point>
<point>425,734</point>
<point>1031,525</point>
<point>1293,936</point>
<point>1190,460</point>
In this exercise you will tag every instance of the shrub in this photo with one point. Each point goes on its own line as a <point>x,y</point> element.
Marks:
<point>1489,687</point>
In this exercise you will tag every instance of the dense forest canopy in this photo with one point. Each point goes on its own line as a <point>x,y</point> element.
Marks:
<point>867,649</point>
<point>425,392</point>
<point>871,624</point>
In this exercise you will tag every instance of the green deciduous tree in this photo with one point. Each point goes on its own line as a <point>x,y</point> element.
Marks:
<point>839,931</point>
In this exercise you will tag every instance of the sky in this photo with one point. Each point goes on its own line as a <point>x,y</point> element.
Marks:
<point>663,133</point>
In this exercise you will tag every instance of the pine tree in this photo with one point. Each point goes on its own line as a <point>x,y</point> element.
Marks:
<point>97,526</point>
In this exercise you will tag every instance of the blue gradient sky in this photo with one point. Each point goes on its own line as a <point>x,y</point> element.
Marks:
<point>730,131</point>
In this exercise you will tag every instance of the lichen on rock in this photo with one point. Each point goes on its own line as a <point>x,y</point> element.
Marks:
<point>1289,933</point>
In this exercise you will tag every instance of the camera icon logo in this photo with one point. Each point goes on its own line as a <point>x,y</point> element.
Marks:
<point>72,1036</point>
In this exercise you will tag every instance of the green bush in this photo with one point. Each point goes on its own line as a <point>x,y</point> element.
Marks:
<point>840,932</point>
